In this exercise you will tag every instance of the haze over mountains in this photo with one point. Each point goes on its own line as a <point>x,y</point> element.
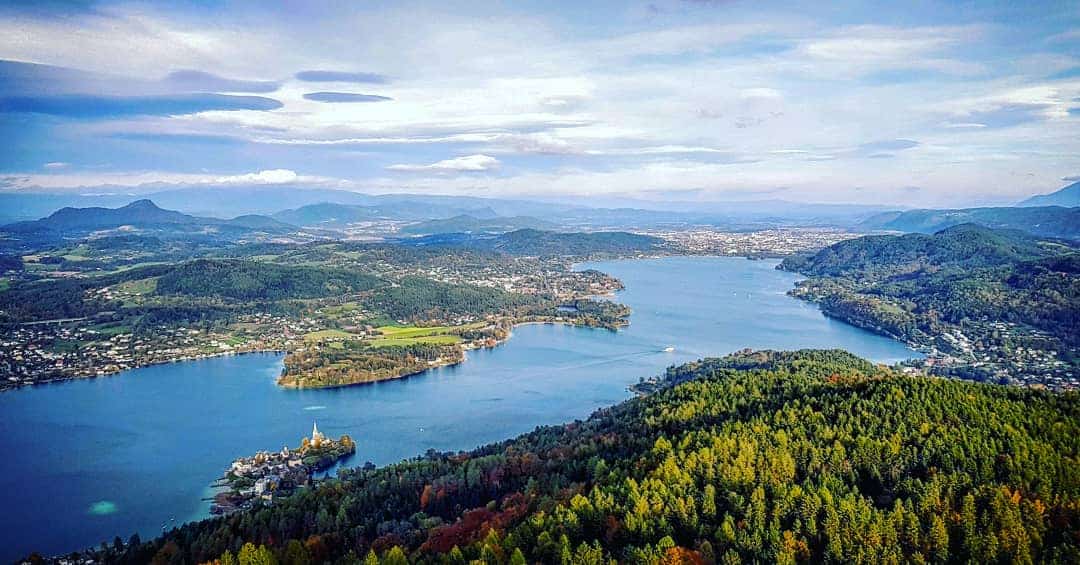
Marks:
<point>1048,221</point>
<point>285,209</point>
<point>304,206</point>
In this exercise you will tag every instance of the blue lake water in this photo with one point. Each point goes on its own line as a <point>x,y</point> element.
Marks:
<point>83,461</point>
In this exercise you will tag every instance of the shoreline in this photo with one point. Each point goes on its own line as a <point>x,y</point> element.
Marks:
<point>61,380</point>
<point>573,266</point>
<point>464,357</point>
<point>914,347</point>
<point>465,350</point>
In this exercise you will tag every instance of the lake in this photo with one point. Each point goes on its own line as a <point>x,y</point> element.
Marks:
<point>87,460</point>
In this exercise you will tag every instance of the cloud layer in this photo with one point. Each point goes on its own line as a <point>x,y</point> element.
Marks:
<point>90,106</point>
<point>345,97</point>
<point>952,107</point>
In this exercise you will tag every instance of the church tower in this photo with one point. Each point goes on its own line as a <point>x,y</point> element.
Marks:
<point>316,436</point>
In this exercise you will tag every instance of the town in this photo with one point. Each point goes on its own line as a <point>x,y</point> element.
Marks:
<point>761,243</point>
<point>38,353</point>
<point>268,476</point>
<point>999,352</point>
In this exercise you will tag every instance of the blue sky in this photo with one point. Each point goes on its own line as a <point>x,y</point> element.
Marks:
<point>919,104</point>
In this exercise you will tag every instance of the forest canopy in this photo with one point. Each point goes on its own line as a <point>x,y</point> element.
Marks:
<point>808,456</point>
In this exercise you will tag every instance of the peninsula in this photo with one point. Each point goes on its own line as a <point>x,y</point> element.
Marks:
<point>266,476</point>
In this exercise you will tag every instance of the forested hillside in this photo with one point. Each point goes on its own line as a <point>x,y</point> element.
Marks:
<point>882,256</point>
<point>419,298</point>
<point>252,280</point>
<point>772,457</point>
<point>982,296</point>
<point>962,273</point>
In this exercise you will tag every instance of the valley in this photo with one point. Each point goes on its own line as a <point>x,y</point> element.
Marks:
<point>684,282</point>
<point>508,330</point>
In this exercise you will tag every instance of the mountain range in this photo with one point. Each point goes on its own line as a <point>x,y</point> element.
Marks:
<point>335,209</point>
<point>467,223</point>
<point>142,216</point>
<point>328,208</point>
<point>333,215</point>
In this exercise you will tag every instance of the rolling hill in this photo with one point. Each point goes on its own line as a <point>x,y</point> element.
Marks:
<point>327,215</point>
<point>466,223</point>
<point>332,215</point>
<point>1046,221</point>
<point>962,246</point>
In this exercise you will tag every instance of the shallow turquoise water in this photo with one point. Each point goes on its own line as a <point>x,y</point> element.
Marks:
<point>84,461</point>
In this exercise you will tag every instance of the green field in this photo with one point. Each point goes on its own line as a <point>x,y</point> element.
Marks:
<point>111,329</point>
<point>335,312</point>
<point>323,335</point>
<point>140,286</point>
<point>416,331</point>
<point>412,331</point>
<point>403,341</point>
<point>132,266</point>
<point>400,335</point>
<point>4,284</point>
<point>409,335</point>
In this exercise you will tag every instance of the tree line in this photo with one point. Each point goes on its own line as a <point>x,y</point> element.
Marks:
<point>811,456</point>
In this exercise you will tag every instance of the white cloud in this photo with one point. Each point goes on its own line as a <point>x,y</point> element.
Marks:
<point>469,163</point>
<point>55,165</point>
<point>881,44</point>
<point>858,50</point>
<point>270,176</point>
<point>73,180</point>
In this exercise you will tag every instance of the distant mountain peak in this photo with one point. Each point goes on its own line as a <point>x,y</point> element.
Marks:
<point>141,213</point>
<point>1068,197</point>
<point>142,204</point>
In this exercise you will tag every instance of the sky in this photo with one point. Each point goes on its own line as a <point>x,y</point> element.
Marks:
<point>916,104</point>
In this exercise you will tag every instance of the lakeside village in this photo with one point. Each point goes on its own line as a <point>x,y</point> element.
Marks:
<point>267,476</point>
<point>36,353</point>
<point>46,351</point>
<point>999,352</point>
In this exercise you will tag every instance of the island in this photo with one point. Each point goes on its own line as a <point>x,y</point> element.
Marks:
<point>268,476</point>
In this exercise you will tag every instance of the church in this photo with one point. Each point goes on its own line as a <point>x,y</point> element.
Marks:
<point>317,438</point>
